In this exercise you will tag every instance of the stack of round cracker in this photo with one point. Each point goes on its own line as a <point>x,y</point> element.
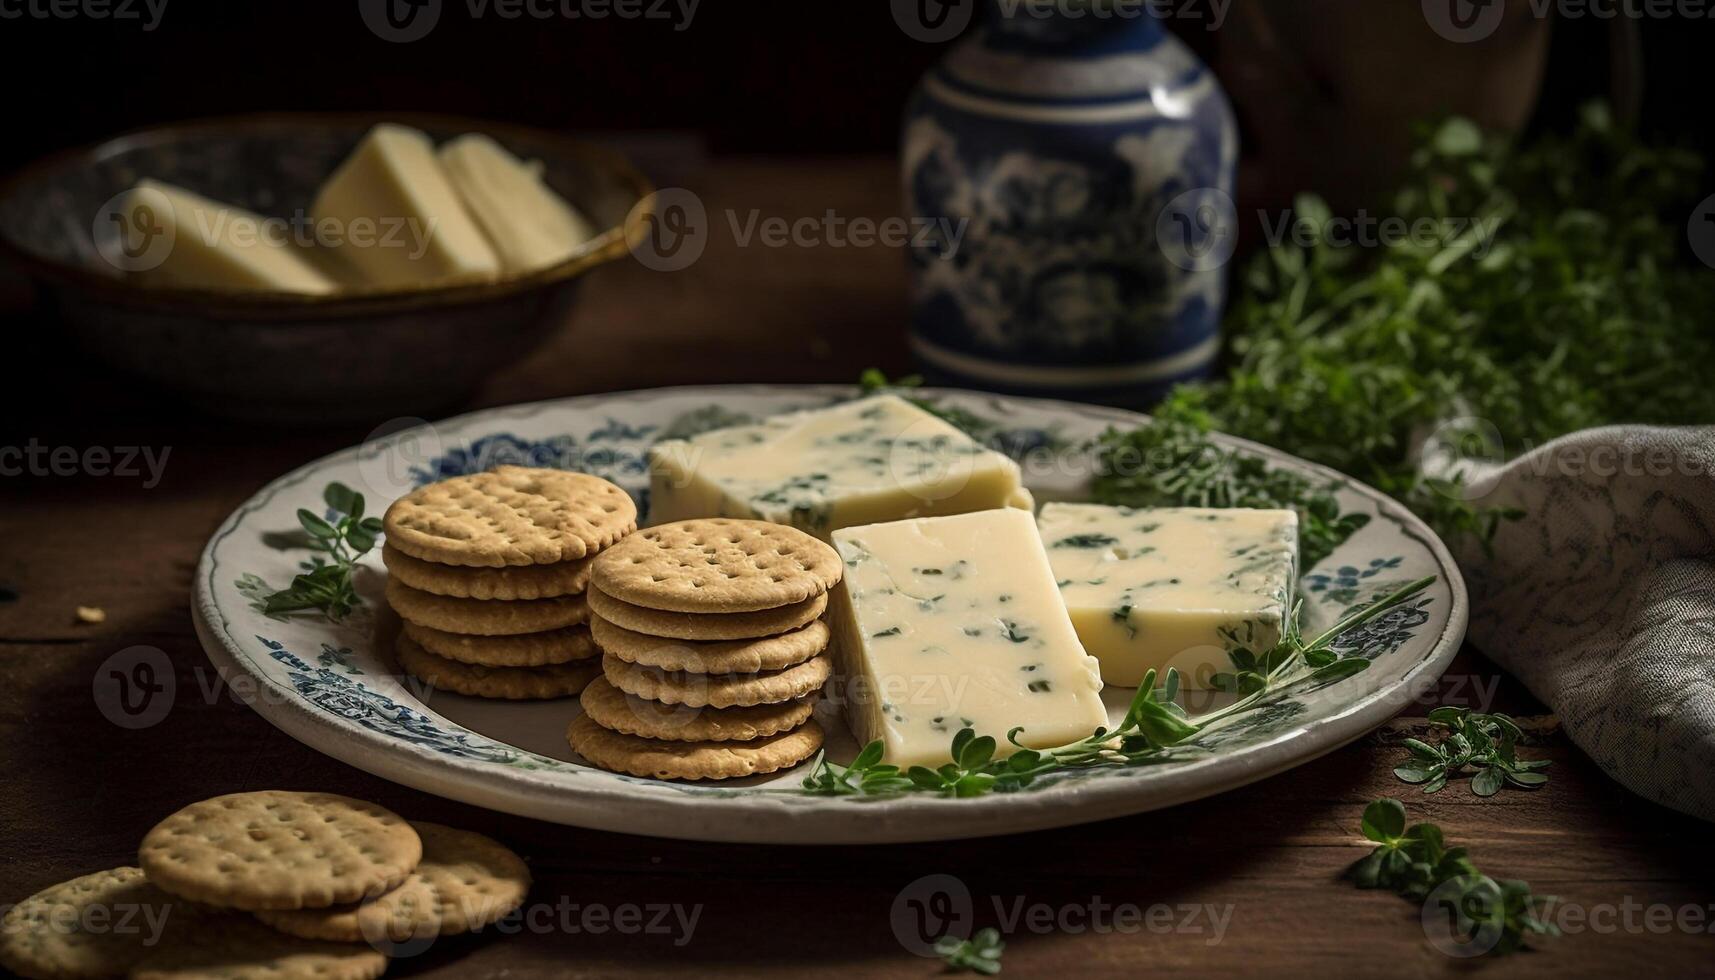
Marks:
<point>343,884</point>
<point>713,650</point>
<point>488,573</point>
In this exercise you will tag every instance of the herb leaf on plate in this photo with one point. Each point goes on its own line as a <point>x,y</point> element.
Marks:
<point>342,534</point>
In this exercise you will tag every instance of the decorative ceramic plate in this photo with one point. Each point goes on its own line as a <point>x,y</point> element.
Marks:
<point>332,686</point>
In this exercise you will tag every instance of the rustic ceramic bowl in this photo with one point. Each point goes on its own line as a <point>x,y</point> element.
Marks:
<point>355,356</point>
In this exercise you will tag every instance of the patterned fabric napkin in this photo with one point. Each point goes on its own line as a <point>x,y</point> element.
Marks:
<point>1602,599</point>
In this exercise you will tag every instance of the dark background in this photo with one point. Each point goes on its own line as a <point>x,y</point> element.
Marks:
<point>815,81</point>
<point>751,76</point>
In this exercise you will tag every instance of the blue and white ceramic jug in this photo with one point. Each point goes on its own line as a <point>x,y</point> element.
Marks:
<point>1085,159</point>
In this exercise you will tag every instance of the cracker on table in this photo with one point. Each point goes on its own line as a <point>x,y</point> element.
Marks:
<point>277,849</point>
<point>485,617</point>
<point>717,565</point>
<point>712,657</point>
<point>98,925</point>
<point>512,582</point>
<point>657,759</point>
<point>717,690</point>
<point>464,882</point>
<point>561,646</point>
<point>233,946</point>
<point>618,711</point>
<point>511,515</point>
<point>506,683</point>
<point>704,626</point>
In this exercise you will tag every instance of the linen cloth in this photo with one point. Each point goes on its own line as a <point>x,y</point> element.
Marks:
<point>1601,599</point>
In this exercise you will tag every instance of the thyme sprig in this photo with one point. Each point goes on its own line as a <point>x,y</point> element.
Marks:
<point>343,536</point>
<point>1153,723</point>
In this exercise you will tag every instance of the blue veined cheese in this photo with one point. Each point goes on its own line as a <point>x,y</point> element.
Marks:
<point>1172,586</point>
<point>861,462</point>
<point>944,623</point>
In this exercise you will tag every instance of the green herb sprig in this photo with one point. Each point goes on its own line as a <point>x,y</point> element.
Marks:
<point>1416,862</point>
<point>1153,722</point>
<point>1483,742</point>
<point>343,537</point>
<point>980,953</point>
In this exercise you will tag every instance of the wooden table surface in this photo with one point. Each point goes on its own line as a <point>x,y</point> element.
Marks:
<point>1262,862</point>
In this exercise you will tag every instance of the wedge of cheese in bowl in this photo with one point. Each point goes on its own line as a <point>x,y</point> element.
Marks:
<point>945,623</point>
<point>529,225</point>
<point>868,461</point>
<point>1180,587</point>
<point>207,242</point>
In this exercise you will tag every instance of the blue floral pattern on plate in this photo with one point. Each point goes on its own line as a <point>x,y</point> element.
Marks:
<point>344,698</point>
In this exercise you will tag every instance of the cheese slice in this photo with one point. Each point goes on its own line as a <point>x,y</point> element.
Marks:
<point>945,623</point>
<point>529,225</point>
<point>390,213</point>
<point>861,462</point>
<point>219,246</point>
<point>1172,587</point>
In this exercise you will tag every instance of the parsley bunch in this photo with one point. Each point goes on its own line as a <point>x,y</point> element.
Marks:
<point>343,536</point>
<point>1485,742</point>
<point>1564,303</point>
<point>1416,863</point>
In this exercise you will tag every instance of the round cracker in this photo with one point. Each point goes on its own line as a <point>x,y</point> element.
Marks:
<point>230,946</point>
<point>618,711</point>
<point>561,646</point>
<point>717,690</point>
<point>717,657</point>
<point>277,849</point>
<point>505,683</point>
<point>99,925</point>
<point>513,582</point>
<point>619,752</point>
<point>464,882</point>
<point>511,515</point>
<point>705,626</point>
<point>485,617</point>
<point>717,565</point>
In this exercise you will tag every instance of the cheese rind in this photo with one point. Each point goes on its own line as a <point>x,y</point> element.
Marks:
<point>862,462</point>
<point>945,623</point>
<point>529,225</point>
<point>390,213</point>
<point>219,246</point>
<point>1172,587</point>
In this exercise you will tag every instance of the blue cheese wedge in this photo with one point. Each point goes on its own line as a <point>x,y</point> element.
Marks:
<point>862,462</point>
<point>945,623</point>
<point>1173,586</point>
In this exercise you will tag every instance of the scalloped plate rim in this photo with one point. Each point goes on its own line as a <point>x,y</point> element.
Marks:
<point>613,802</point>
